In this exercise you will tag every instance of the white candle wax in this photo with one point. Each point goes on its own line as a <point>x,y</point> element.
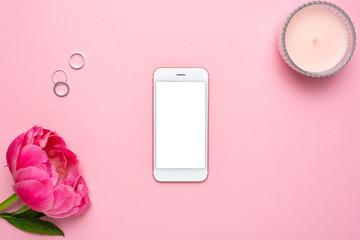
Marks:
<point>318,39</point>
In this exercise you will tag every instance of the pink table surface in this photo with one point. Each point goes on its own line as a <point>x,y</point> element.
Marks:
<point>284,148</point>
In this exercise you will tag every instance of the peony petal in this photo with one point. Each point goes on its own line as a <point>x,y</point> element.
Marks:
<point>81,187</point>
<point>72,177</point>
<point>85,204</point>
<point>53,141</point>
<point>31,155</point>
<point>70,213</point>
<point>71,158</point>
<point>54,176</point>
<point>65,162</point>
<point>58,160</point>
<point>28,138</point>
<point>67,204</point>
<point>82,191</point>
<point>32,173</point>
<point>41,139</point>
<point>13,151</point>
<point>37,131</point>
<point>78,199</point>
<point>60,195</point>
<point>81,202</point>
<point>36,195</point>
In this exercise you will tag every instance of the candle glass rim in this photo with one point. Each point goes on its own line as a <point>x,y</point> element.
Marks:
<point>348,54</point>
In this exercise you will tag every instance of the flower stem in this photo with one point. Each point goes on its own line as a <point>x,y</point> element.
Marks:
<point>8,201</point>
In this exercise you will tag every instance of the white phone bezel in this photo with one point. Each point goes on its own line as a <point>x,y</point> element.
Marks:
<point>181,75</point>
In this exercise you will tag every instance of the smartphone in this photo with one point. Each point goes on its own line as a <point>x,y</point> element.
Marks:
<point>180,124</point>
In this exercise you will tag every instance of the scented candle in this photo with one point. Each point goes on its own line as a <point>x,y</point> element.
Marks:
<point>318,39</point>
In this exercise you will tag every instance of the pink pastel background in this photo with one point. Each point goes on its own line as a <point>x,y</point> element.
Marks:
<point>284,148</point>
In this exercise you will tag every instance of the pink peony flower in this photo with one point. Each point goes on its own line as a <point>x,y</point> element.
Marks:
<point>46,174</point>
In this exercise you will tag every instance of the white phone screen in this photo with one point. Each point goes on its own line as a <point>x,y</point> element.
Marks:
<point>180,122</point>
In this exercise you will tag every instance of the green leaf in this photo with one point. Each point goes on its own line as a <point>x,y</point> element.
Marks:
<point>29,222</point>
<point>26,212</point>
<point>22,209</point>
<point>30,214</point>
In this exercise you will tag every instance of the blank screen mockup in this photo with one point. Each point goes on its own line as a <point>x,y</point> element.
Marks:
<point>180,124</point>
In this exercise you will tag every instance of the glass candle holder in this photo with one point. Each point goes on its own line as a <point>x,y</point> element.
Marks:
<point>317,39</point>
